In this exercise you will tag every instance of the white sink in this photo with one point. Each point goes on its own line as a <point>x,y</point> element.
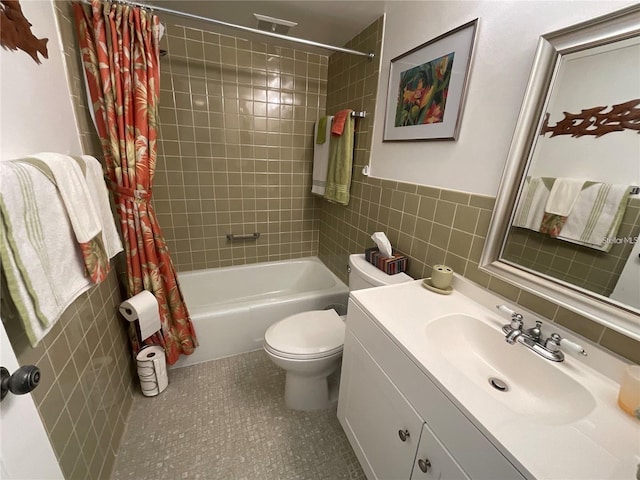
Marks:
<point>537,388</point>
<point>557,421</point>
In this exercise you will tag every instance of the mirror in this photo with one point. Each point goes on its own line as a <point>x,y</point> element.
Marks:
<point>567,215</point>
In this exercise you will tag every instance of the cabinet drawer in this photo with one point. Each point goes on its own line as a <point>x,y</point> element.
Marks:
<point>471,449</point>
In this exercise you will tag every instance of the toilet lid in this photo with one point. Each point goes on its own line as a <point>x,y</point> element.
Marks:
<point>307,333</point>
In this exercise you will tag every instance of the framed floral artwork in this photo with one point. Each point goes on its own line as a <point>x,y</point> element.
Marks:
<point>427,87</point>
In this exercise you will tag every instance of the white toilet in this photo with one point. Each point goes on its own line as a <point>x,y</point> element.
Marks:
<point>308,345</point>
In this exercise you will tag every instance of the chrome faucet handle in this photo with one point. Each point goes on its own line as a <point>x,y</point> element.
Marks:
<point>535,332</point>
<point>553,343</point>
<point>516,322</point>
<point>508,311</point>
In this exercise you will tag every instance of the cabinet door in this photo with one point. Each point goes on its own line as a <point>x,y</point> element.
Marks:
<point>384,430</point>
<point>435,459</point>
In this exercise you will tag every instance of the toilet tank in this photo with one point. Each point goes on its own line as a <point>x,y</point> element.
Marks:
<point>364,275</point>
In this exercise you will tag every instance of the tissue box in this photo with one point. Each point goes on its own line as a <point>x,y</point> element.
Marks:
<point>389,265</point>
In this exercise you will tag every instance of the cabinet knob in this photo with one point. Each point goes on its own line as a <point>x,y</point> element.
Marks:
<point>403,434</point>
<point>424,464</point>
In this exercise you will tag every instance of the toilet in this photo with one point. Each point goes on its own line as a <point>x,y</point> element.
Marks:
<point>308,345</point>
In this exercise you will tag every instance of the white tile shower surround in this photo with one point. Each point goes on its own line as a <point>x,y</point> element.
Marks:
<point>226,419</point>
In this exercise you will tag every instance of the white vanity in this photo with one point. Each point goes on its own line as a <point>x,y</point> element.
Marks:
<point>416,400</point>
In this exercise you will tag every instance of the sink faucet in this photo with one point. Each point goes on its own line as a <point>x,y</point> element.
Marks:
<point>533,339</point>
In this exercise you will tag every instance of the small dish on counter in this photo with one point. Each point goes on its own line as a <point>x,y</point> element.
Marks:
<point>426,283</point>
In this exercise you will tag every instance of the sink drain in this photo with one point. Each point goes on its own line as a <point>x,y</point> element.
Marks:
<point>498,384</point>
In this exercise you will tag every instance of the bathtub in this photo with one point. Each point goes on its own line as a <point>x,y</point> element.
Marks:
<point>232,307</point>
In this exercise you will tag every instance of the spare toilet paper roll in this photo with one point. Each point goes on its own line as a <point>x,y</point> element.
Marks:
<point>383,243</point>
<point>152,370</point>
<point>144,308</point>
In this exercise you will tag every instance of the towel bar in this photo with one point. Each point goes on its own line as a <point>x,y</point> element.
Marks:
<point>252,236</point>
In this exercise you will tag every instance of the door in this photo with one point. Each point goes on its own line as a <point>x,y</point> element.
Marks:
<point>25,451</point>
<point>383,428</point>
<point>433,461</point>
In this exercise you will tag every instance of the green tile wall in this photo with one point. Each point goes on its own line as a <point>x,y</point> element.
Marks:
<point>236,125</point>
<point>430,225</point>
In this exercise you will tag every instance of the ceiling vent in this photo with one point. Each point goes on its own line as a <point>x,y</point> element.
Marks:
<point>274,25</point>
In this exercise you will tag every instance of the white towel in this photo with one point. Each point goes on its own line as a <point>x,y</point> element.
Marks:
<point>530,209</point>
<point>596,216</point>
<point>100,196</point>
<point>563,195</point>
<point>321,158</point>
<point>75,194</point>
<point>40,255</point>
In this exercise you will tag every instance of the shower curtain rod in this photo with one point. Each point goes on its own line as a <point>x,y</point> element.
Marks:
<point>192,16</point>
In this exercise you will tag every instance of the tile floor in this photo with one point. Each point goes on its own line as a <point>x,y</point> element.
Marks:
<point>226,419</point>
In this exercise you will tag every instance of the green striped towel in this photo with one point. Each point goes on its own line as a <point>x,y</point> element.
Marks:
<point>41,263</point>
<point>596,216</point>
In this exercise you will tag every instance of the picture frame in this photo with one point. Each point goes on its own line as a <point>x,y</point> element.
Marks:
<point>427,87</point>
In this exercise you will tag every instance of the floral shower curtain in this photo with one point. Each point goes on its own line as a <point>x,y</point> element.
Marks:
<point>120,52</point>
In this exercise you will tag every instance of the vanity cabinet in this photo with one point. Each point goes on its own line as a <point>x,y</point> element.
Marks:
<point>399,422</point>
<point>386,427</point>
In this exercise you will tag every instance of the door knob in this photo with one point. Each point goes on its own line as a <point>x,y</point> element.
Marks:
<point>23,380</point>
<point>403,434</point>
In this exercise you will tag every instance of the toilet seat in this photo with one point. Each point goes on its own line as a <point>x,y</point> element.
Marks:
<point>306,335</point>
<point>293,356</point>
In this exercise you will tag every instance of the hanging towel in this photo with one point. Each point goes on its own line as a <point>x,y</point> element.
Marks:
<point>321,155</point>
<point>321,129</point>
<point>75,194</point>
<point>100,197</point>
<point>530,209</point>
<point>68,174</point>
<point>340,164</point>
<point>41,260</point>
<point>596,216</point>
<point>562,198</point>
<point>340,120</point>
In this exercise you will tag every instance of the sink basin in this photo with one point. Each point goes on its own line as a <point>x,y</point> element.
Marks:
<point>537,387</point>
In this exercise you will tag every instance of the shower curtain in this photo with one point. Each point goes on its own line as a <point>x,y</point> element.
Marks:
<point>120,53</point>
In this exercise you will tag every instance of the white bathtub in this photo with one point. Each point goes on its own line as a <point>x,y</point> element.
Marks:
<point>232,307</point>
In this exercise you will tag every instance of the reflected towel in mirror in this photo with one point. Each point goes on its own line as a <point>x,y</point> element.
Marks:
<point>596,216</point>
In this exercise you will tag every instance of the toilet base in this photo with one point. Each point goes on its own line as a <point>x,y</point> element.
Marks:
<point>304,393</point>
<point>310,384</point>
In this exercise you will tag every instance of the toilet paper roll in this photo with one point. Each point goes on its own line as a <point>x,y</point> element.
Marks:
<point>152,370</point>
<point>144,308</point>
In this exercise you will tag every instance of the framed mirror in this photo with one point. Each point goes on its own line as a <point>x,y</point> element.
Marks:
<point>567,216</point>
